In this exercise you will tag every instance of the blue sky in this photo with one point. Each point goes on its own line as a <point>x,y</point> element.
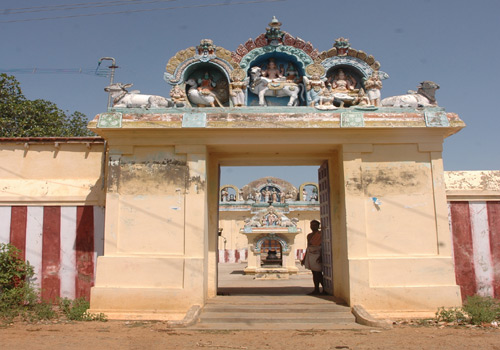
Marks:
<point>454,43</point>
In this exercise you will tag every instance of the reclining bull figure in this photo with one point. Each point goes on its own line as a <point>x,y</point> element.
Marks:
<point>133,99</point>
<point>423,97</point>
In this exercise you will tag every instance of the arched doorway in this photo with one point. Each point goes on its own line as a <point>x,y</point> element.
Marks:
<point>218,159</point>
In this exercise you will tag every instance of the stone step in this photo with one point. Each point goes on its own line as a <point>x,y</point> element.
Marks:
<point>275,300</point>
<point>275,312</point>
<point>302,309</point>
<point>218,317</point>
<point>262,325</point>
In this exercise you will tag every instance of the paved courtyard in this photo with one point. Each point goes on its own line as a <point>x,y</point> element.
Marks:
<point>233,281</point>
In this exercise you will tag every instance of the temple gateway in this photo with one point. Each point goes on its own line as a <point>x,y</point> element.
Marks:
<point>275,100</point>
<point>144,220</point>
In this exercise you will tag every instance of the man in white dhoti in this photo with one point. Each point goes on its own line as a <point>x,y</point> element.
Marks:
<point>312,259</point>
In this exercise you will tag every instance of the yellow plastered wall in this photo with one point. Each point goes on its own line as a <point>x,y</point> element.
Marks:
<point>56,172</point>
<point>397,228</point>
<point>155,232</point>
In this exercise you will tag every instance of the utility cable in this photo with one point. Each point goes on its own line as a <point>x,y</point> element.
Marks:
<point>87,71</point>
<point>78,6</point>
<point>144,10</point>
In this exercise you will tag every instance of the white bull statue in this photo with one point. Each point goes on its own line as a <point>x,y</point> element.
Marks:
<point>262,87</point>
<point>133,99</point>
<point>423,97</point>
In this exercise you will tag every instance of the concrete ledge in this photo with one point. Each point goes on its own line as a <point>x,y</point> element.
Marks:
<point>400,315</point>
<point>190,319</point>
<point>364,318</point>
<point>139,315</point>
<point>173,319</point>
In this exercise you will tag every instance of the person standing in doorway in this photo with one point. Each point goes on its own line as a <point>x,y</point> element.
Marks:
<point>312,258</point>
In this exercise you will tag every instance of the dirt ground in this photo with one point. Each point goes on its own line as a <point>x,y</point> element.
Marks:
<point>156,335</point>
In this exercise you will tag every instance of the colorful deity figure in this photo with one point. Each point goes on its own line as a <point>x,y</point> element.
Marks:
<point>237,87</point>
<point>274,196</point>
<point>314,88</point>
<point>272,71</point>
<point>292,75</point>
<point>178,96</point>
<point>326,98</point>
<point>224,195</point>
<point>342,83</point>
<point>361,99</point>
<point>257,196</point>
<point>206,84</point>
<point>344,88</point>
<point>373,85</point>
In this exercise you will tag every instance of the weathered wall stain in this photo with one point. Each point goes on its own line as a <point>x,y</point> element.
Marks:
<point>196,181</point>
<point>113,174</point>
<point>148,176</point>
<point>472,180</point>
<point>354,185</point>
<point>395,180</point>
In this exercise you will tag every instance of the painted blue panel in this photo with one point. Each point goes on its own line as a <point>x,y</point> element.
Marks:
<point>194,120</point>
<point>436,119</point>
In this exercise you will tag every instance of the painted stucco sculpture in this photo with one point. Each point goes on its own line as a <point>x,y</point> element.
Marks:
<point>262,86</point>
<point>273,70</point>
<point>202,95</point>
<point>178,96</point>
<point>314,87</point>
<point>238,86</point>
<point>425,96</point>
<point>134,99</point>
<point>270,227</point>
<point>373,85</point>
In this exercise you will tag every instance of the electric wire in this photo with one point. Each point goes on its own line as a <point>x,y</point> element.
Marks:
<point>79,6</point>
<point>144,10</point>
<point>100,71</point>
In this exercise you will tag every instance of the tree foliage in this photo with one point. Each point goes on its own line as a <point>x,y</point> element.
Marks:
<point>20,117</point>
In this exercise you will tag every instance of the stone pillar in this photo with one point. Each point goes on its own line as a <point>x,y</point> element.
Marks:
<point>253,261</point>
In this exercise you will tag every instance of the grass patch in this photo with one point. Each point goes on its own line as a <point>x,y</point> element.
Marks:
<point>477,310</point>
<point>76,310</point>
<point>19,299</point>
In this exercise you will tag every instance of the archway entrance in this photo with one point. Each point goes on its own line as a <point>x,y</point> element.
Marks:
<point>301,207</point>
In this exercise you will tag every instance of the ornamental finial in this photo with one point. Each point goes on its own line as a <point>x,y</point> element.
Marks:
<point>274,34</point>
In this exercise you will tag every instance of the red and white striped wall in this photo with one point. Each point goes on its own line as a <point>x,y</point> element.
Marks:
<point>299,254</point>
<point>475,228</point>
<point>241,255</point>
<point>233,255</point>
<point>62,243</point>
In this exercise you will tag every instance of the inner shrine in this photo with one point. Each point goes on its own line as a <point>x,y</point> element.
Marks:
<point>275,100</point>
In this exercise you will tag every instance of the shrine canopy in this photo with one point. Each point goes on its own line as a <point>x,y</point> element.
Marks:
<point>274,69</point>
